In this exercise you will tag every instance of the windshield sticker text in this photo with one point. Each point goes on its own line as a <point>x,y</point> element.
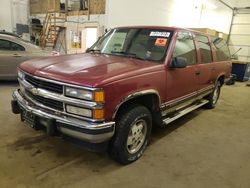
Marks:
<point>159,34</point>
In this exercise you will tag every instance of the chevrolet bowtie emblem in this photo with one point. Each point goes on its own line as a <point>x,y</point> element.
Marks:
<point>34,91</point>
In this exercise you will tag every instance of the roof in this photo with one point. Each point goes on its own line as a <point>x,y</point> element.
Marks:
<point>9,33</point>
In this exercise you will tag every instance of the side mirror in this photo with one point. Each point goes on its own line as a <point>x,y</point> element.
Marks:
<point>178,62</point>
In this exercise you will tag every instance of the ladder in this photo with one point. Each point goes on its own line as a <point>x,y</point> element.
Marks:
<point>52,26</point>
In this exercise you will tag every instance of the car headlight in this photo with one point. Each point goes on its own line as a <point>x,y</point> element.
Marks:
<point>97,96</point>
<point>20,74</point>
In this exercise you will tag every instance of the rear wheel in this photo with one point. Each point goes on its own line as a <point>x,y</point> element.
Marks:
<point>214,96</point>
<point>133,129</point>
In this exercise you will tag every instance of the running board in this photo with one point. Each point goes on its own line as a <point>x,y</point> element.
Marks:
<point>185,111</point>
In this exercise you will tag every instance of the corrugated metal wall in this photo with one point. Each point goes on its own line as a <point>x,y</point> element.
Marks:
<point>240,34</point>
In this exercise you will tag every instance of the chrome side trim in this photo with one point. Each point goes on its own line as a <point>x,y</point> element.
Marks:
<point>205,89</point>
<point>175,101</point>
<point>184,101</point>
<point>168,109</point>
<point>134,95</point>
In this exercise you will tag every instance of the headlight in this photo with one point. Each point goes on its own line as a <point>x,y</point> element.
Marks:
<point>97,96</point>
<point>20,74</point>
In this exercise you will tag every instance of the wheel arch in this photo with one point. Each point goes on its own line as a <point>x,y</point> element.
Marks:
<point>148,98</point>
<point>221,79</point>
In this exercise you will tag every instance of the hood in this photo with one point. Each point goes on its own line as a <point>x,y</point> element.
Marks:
<point>91,70</point>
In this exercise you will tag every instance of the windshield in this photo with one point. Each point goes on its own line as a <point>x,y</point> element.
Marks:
<point>147,44</point>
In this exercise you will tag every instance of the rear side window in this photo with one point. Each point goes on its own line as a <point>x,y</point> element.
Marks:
<point>222,50</point>
<point>184,47</point>
<point>10,46</point>
<point>205,49</point>
<point>17,47</point>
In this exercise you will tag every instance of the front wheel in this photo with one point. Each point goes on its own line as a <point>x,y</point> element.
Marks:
<point>214,96</point>
<point>133,129</point>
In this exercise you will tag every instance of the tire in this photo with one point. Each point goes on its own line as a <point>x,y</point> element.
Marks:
<point>214,96</point>
<point>133,129</point>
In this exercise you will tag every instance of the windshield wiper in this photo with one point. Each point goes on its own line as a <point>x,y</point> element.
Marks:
<point>127,54</point>
<point>93,50</point>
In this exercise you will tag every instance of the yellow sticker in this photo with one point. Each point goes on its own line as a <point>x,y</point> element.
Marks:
<point>161,42</point>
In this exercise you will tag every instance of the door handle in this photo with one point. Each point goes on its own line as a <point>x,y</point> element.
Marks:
<point>16,55</point>
<point>213,69</point>
<point>197,73</point>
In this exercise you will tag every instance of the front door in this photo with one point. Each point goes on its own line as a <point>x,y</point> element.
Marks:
<point>182,82</point>
<point>11,55</point>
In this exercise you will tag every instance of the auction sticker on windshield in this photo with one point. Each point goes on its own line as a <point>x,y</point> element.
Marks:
<point>161,42</point>
<point>159,34</point>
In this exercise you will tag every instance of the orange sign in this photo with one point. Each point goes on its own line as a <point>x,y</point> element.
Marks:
<point>161,42</point>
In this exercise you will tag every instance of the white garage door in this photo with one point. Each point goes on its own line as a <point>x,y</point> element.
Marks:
<point>240,34</point>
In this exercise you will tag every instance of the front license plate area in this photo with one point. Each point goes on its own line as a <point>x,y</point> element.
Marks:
<point>28,117</point>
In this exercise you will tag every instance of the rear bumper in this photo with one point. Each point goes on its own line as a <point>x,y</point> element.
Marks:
<point>69,126</point>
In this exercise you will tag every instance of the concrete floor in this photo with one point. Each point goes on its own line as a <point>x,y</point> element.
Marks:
<point>206,148</point>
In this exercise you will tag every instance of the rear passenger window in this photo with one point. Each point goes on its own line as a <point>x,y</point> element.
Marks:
<point>17,47</point>
<point>184,47</point>
<point>222,50</point>
<point>205,49</point>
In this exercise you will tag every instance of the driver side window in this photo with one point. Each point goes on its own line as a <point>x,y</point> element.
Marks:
<point>185,48</point>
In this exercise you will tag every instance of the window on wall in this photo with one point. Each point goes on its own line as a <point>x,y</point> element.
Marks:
<point>91,36</point>
<point>205,50</point>
<point>185,48</point>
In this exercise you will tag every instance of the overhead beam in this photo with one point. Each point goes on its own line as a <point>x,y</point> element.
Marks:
<point>227,5</point>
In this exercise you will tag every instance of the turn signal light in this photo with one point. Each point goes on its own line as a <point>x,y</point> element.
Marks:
<point>98,114</point>
<point>99,96</point>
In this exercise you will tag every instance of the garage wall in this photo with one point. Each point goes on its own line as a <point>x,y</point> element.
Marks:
<point>13,12</point>
<point>5,15</point>
<point>240,37</point>
<point>188,13</point>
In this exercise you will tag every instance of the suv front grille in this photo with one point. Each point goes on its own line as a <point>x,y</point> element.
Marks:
<point>46,102</point>
<point>57,88</point>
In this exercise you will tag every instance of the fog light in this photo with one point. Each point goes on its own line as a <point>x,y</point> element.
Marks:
<point>79,111</point>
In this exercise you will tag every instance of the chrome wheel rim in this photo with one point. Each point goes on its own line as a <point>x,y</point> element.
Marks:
<point>216,95</point>
<point>136,136</point>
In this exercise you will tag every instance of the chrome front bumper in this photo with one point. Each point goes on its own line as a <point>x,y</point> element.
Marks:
<point>70,126</point>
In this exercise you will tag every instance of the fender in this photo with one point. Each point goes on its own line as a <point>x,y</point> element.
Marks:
<point>135,95</point>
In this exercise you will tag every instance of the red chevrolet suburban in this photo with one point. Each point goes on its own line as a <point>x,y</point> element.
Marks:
<point>130,80</point>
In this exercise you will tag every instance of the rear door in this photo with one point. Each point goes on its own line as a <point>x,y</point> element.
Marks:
<point>182,82</point>
<point>206,67</point>
<point>11,55</point>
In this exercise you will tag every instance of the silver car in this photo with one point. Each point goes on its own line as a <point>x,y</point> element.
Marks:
<point>13,51</point>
